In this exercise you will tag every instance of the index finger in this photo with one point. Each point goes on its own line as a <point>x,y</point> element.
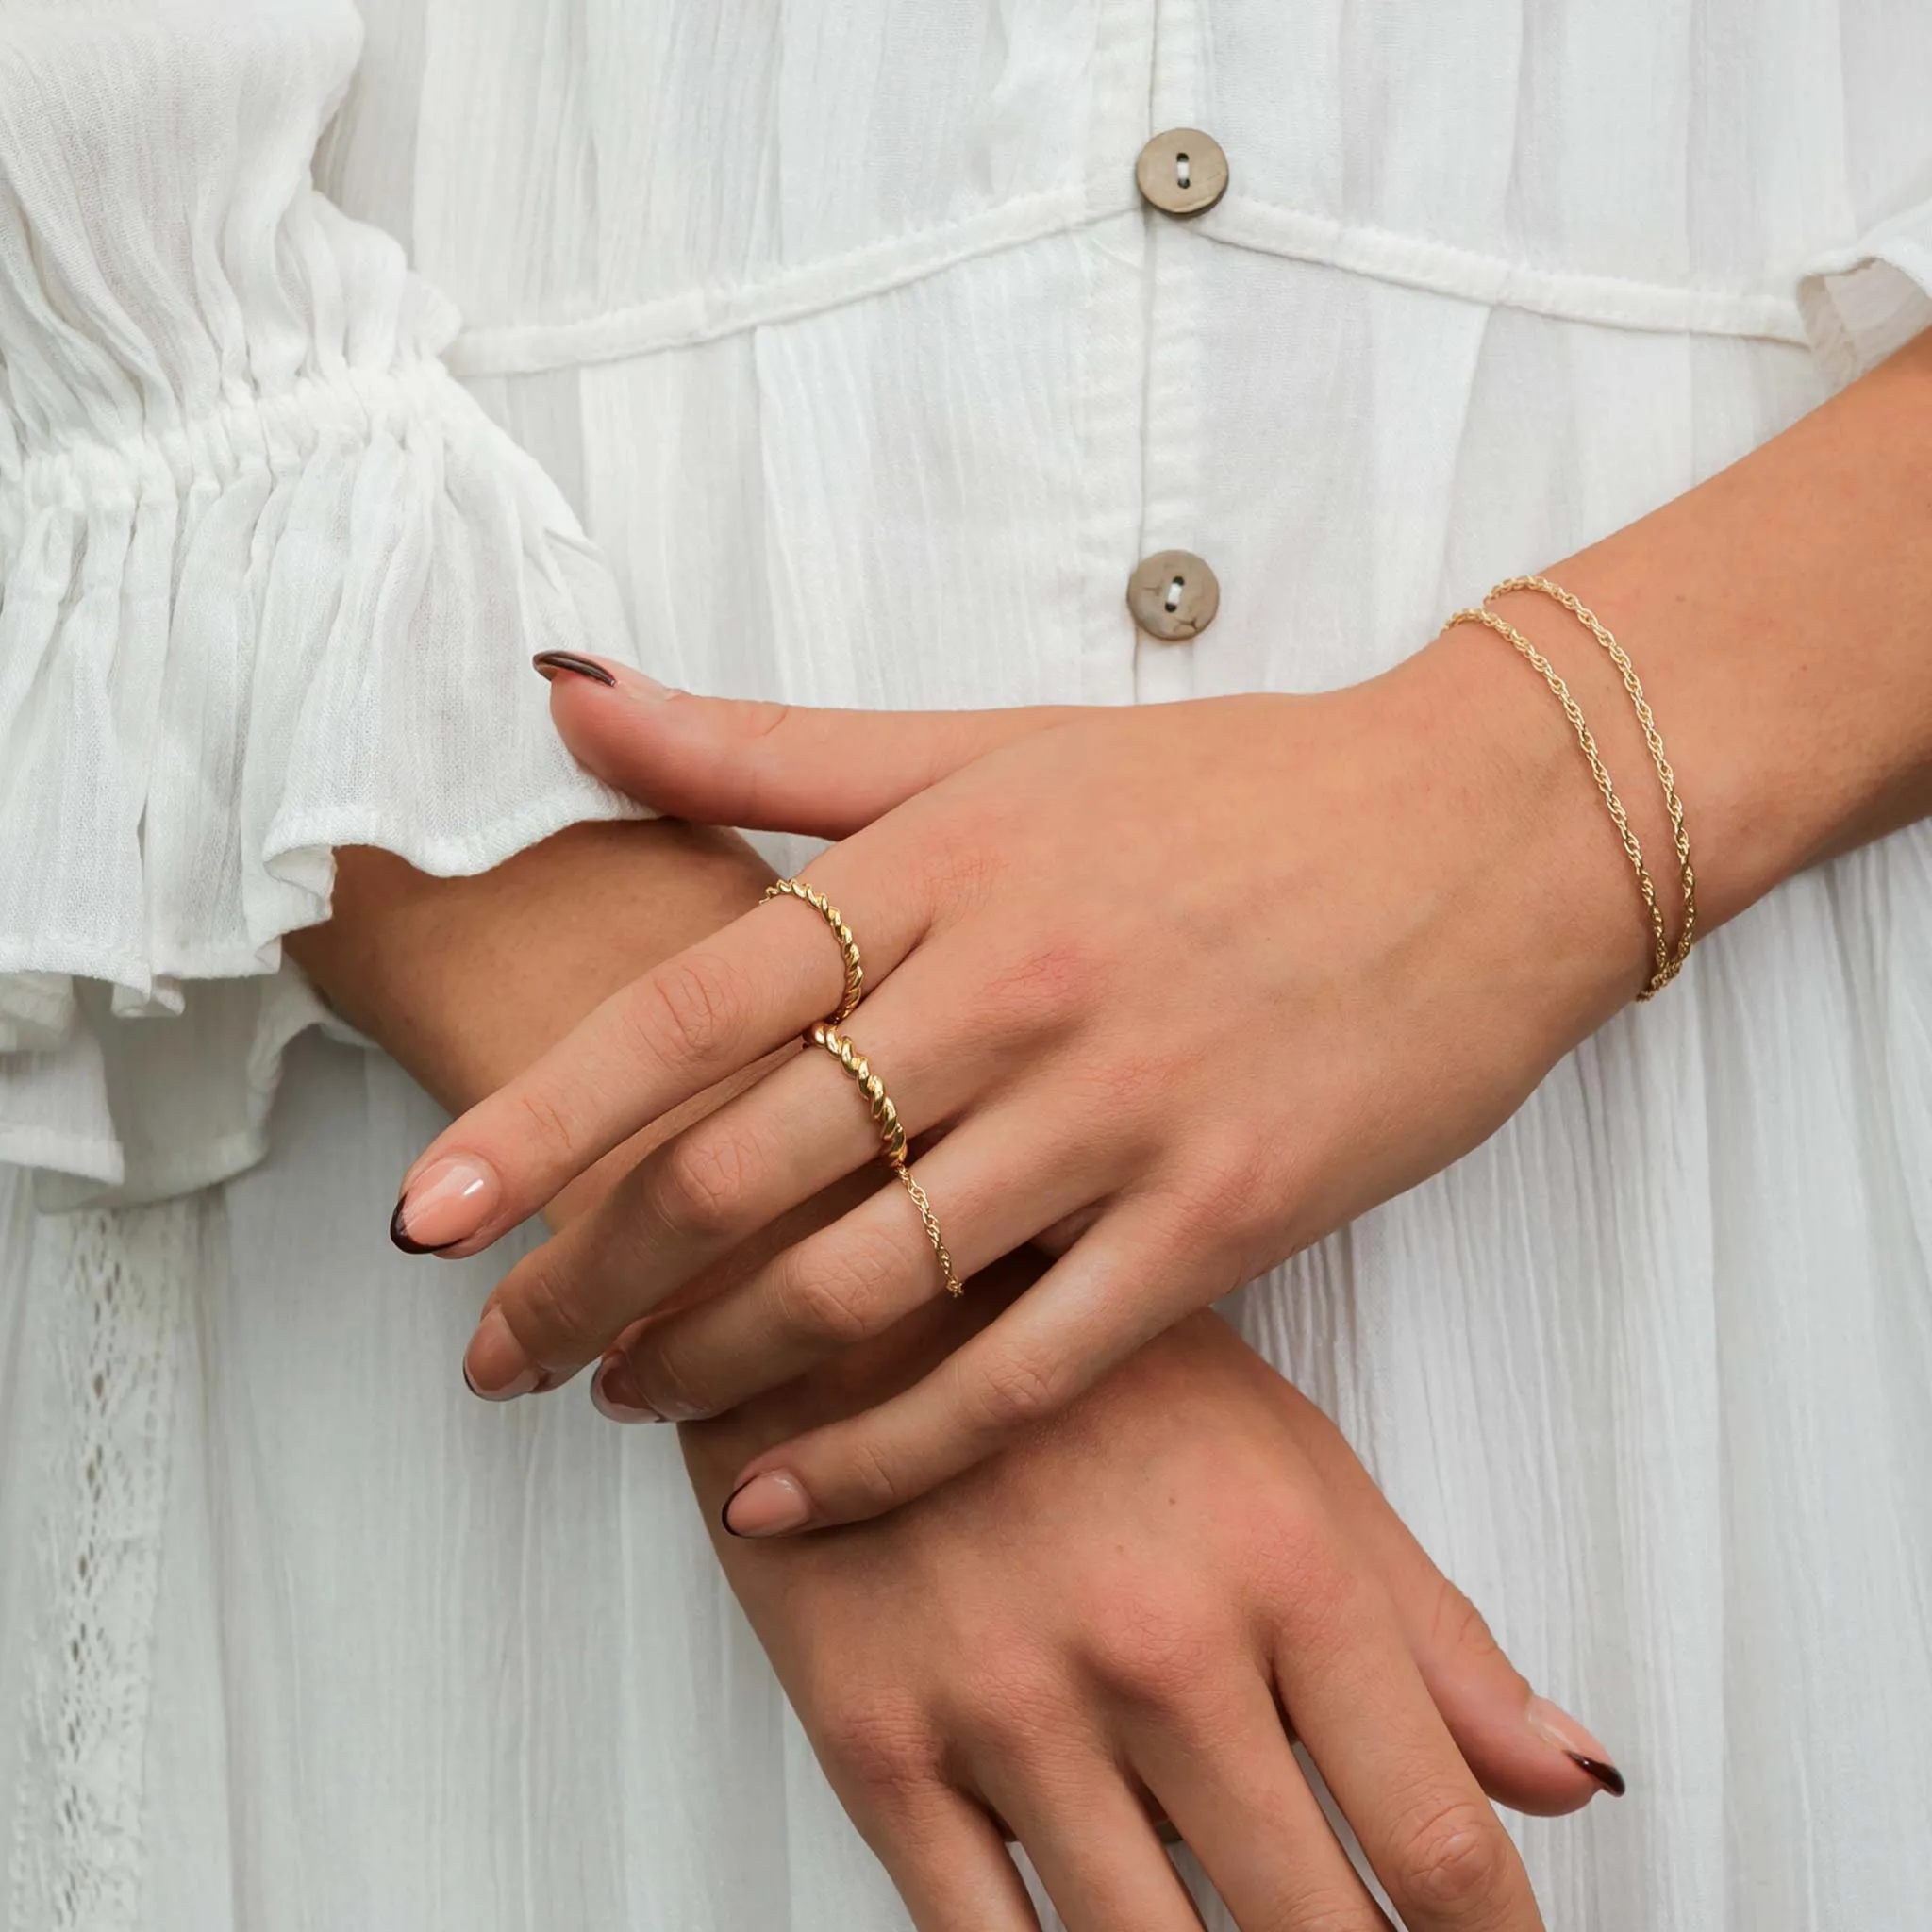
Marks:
<point>703,1015</point>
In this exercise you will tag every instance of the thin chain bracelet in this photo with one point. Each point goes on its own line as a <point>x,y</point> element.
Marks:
<point>1666,778</point>
<point>1574,712</point>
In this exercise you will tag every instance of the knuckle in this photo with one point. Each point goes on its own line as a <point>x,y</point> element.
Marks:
<point>703,1181</point>
<point>1232,1201</point>
<point>691,1013</point>
<point>1299,1569</point>
<point>1232,1181</point>
<point>883,1746</point>
<point>1326,1910</point>
<point>1014,1707</point>
<point>546,1306</point>
<point>1453,1858</point>
<point>1150,1653</point>
<point>871,1476</point>
<point>960,873</point>
<point>1456,1627</point>
<point>767,718</point>
<point>1013,1389</point>
<point>1042,989</point>
<point>546,1120</point>
<point>838,1291</point>
<point>672,1378</point>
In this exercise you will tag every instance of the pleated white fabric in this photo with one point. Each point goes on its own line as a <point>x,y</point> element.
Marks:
<point>840,329</point>
<point>270,578</point>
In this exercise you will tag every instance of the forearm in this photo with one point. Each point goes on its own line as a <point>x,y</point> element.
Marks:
<point>467,980</point>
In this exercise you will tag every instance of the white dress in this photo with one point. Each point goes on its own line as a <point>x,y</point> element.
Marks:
<point>843,332</point>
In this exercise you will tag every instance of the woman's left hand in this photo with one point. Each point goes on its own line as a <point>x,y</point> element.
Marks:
<point>1179,988</point>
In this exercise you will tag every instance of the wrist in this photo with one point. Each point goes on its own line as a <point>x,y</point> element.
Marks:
<point>1567,938</point>
<point>465,981</point>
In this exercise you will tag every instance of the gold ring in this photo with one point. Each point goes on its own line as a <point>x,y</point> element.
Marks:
<point>891,1138</point>
<point>855,972</point>
<point>891,1130</point>
<point>931,1222</point>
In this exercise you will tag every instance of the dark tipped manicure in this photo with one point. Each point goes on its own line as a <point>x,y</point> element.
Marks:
<point>399,1235</point>
<point>1606,1775</point>
<point>548,663</point>
<point>1555,1724</point>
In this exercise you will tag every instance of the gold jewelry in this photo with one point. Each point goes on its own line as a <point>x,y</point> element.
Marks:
<point>1574,712</point>
<point>855,972</point>
<point>891,1130</point>
<point>1680,837</point>
<point>891,1138</point>
<point>932,1230</point>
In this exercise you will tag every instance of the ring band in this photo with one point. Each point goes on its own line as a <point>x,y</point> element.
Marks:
<point>891,1140</point>
<point>855,972</point>
<point>891,1130</point>
<point>931,1222</point>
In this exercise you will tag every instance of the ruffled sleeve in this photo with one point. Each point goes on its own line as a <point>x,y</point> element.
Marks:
<point>270,580</point>
<point>1861,302</point>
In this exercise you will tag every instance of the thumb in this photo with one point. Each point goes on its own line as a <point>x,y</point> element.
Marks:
<point>766,767</point>
<point>1526,1751</point>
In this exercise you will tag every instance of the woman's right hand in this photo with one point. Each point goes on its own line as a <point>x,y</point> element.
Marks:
<point>1107,1622</point>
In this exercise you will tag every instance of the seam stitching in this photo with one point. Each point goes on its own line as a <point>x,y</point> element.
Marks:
<point>692,317</point>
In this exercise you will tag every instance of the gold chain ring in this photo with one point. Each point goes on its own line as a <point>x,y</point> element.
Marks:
<point>891,1138</point>
<point>931,1221</point>
<point>855,972</point>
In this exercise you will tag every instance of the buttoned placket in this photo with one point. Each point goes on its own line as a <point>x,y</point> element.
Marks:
<point>1172,593</point>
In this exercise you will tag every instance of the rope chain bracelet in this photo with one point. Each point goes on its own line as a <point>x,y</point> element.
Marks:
<point>1666,776</point>
<point>1666,963</point>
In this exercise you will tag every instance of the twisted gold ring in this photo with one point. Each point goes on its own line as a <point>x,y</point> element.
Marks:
<point>891,1130</point>
<point>855,972</point>
<point>891,1138</point>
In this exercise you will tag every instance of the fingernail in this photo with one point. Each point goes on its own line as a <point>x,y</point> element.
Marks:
<point>494,1364</point>
<point>614,1394</point>
<point>443,1205</point>
<point>768,1504</point>
<point>625,677</point>
<point>1556,1726</point>
<point>548,663</point>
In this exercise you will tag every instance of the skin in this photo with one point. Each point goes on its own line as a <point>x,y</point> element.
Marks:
<point>1140,1581</point>
<point>1071,1656</point>
<point>1325,945</point>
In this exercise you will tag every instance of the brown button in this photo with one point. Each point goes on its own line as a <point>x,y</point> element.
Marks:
<point>1182,171</point>
<point>1173,595</point>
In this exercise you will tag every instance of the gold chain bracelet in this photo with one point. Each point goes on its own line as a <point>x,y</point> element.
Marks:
<point>1666,778</point>
<point>1669,960</point>
<point>1574,712</point>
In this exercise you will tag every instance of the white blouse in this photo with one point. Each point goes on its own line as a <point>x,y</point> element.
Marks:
<point>846,334</point>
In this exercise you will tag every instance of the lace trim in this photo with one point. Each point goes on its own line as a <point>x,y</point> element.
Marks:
<point>106,1290</point>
